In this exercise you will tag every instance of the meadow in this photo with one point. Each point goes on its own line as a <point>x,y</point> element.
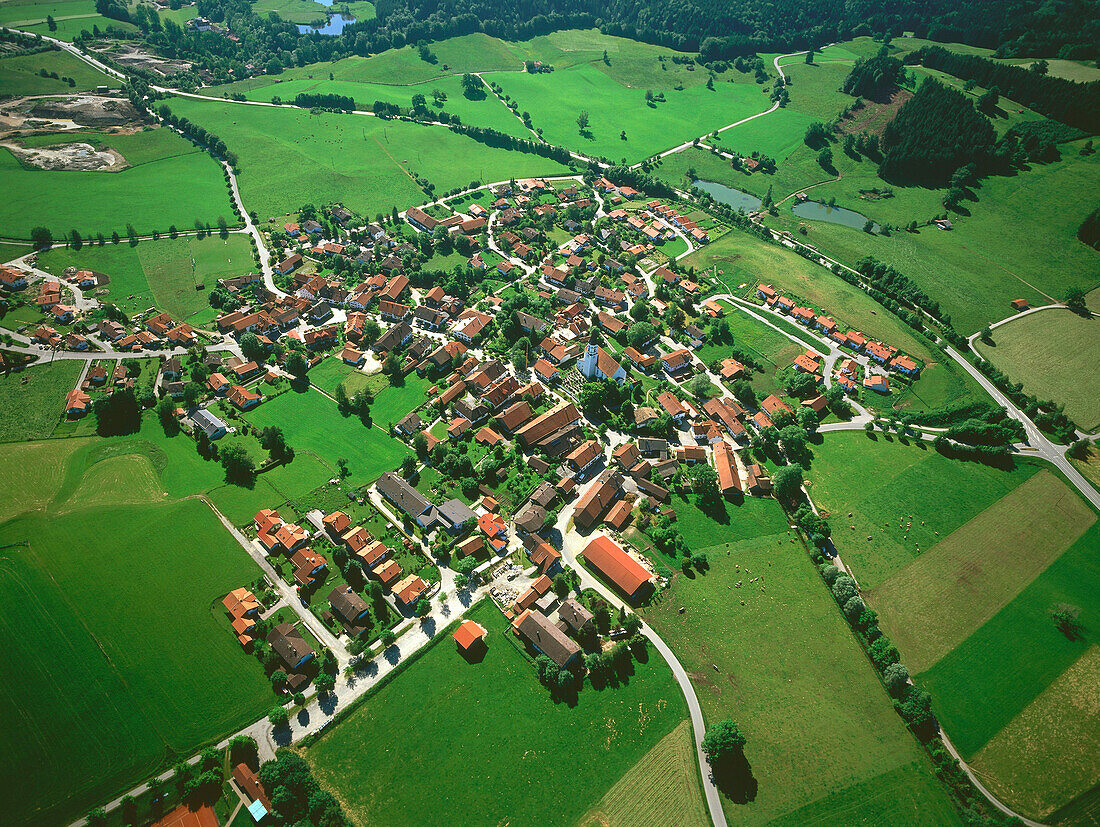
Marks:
<point>164,273</point>
<point>771,349</point>
<point>71,17</point>
<point>169,181</point>
<point>529,748</point>
<point>19,75</point>
<point>1054,354</point>
<point>290,156</point>
<point>823,739</point>
<point>32,401</point>
<point>107,685</point>
<point>307,11</point>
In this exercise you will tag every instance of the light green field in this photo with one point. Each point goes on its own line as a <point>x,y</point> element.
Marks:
<point>105,683</point>
<point>526,756</point>
<point>163,273</point>
<point>307,11</point>
<point>1054,353</point>
<point>71,17</point>
<point>792,676</point>
<point>32,401</point>
<point>19,74</point>
<point>170,181</point>
<point>33,472</point>
<point>393,403</point>
<point>289,157</point>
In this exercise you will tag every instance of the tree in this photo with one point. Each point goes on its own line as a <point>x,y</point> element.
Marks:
<point>118,413</point>
<point>854,608</point>
<point>325,682</point>
<point>51,24</point>
<point>705,483</point>
<point>273,441</point>
<point>41,238</point>
<point>240,469</point>
<point>987,101</point>
<point>844,589</point>
<point>896,678</point>
<point>296,364</point>
<point>166,413</point>
<point>1075,298</point>
<point>96,817</point>
<point>472,87</point>
<point>371,331</point>
<point>788,482</point>
<point>1066,622</point>
<point>810,56</point>
<point>723,741</point>
<point>869,226</point>
<point>582,120</point>
<point>387,639</point>
<point>278,716</point>
<point>251,347</point>
<point>825,159</point>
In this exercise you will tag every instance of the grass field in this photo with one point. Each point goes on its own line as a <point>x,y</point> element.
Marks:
<point>529,749</point>
<point>660,789</point>
<point>163,273</point>
<point>1054,354</point>
<point>31,402</point>
<point>19,74</point>
<point>312,423</point>
<point>333,372</point>
<point>772,350</point>
<point>823,740</point>
<point>289,157</point>
<point>744,259</point>
<point>71,17</point>
<point>105,684</point>
<point>169,181</point>
<point>307,11</point>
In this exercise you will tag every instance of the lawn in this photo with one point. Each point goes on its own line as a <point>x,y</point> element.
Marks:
<point>1054,354</point>
<point>169,181</point>
<point>290,156</point>
<point>108,685</point>
<point>823,739</point>
<point>32,473</point>
<point>32,401</point>
<point>312,423</point>
<point>394,402</point>
<point>529,748</point>
<point>881,483</point>
<point>164,274</point>
<point>333,372</point>
<point>19,75</point>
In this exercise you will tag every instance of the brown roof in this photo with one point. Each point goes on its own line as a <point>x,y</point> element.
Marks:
<point>598,499</point>
<point>540,632</point>
<point>616,565</point>
<point>561,415</point>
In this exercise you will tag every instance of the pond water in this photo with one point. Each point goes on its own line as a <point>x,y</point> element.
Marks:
<point>728,195</point>
<point>335,25</point>
<point>817,211</point>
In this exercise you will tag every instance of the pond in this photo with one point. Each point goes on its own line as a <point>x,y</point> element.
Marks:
<point>728,195</point>
<point>335,25</point>
<point>818,211</point>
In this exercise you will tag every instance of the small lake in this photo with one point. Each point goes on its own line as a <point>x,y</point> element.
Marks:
<point>335,25</point>
<point>728,195</point>
<point>817,211</point>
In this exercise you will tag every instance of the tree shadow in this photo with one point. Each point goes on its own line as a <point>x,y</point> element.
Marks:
<point>392,654</point>
<point>734,779</point>
<point>328,703</point>
<point>303,716</point>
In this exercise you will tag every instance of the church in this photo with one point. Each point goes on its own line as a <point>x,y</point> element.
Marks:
<point>597,363</point>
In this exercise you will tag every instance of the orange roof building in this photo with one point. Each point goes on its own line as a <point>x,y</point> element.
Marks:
<point>626,573</point>
<point>469,635</point>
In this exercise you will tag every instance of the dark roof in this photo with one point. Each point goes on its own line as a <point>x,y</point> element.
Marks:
<point>537,630</point>
<point>289,644</point>
<point>347,603</point>
<point>455,512</point>
<point>574,614</point>
<point>397,490</point>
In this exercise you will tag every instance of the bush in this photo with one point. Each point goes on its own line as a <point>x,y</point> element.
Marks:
<point>844,589</point>
<point>830,573</point>
<point>896,677</point>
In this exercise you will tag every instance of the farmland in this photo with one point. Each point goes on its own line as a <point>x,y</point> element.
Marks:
<point>71,16</point>
<point>795,680</point>
<point>526,756</point>
<point>1054,354</point>
<point>168,181</point>
<point>19,75</point>
<point>307,11</point>
<point>164,274</point>
<point>31,402</point>
<point>290,156</point>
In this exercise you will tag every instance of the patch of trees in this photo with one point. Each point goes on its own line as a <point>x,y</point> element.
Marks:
<point>211,142</point>
<point>296,796</point>
<point>1072,103</point>
<point>117,414</point>
<point>889,281</point>
<point>874,77</point>
<point>951,412</point>
<point>935,133</point>
<point>315,100</point>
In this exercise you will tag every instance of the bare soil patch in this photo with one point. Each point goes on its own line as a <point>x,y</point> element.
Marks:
<point>875,114</point>
<point>78,156</point>
<point>131,55</point>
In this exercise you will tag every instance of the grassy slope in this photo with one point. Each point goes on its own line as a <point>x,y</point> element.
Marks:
<point>791,675</point>
<point>161,273</point>
<point>31,402</point>
<point>71,17</point>
<point>19,74</point>
<point>169,182</point>
<point>1054,354</point>
<point>528,748</point>
<point>289,157</point>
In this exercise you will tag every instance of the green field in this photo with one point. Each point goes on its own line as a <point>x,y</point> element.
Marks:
<point>71,17</point>
<point>1054,354</point>
<point>289,157</point>
<point>164,274</point>
<point>529,748</point>
<point>117,661</point>
<point>823,740</point>
<point>32,401</point>
<point>307,11</point>
<point>19,75</point>
<point>312,423</point>
<point>169,181</point>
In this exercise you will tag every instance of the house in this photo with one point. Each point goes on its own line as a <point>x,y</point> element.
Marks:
<point>469,637</point>
<point>291,536</point>
<point>773,405</point>
<point>352,356</point>
<point>397,490</point>
<point>349,607</point>
<point>546,638</point>
<point>729,480</point>
<point>598,499</point>
<point>307,566</point>
<point>731,369</point>
<point>806,364</point>
<point>410,425</point>
<point>903,364</point>
<point>76,403</point>
<point>394,338</point>
<point>387,573</point>
<point>547,424</point>
<point>1019,304</point>
<point>574,615</point>
<point>816,404</point>
<point>336,523</point>
<point>288,643</point>
<point>677,362</point>
<point>627,455</point>
<point>758,483</point>
<point>672,406</point>
<point>515,415</point>
<point>640,360</point>
<point>628,575</point>
<point>409,590</point>
<point>877,382</point>
<point>420,219</point>
<point>288,264</point>
<point>584,456</point>
<point>242,398</point>
<point>209,424</point>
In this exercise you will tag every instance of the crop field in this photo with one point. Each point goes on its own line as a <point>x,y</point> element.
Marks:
<point>662,788</point>
<point>290,156</point>
<point>169,181</point>
<point>1054,353</point>
<point>743,259</point>
<point>71,17</point>
<point>526,756</point>
<point>163,273</point>
<point>792,676</point>
<point>311,422</point>
<point>32,472</point>
<point>19,75</point>
<point>106,685</point>
<point>32,401</point>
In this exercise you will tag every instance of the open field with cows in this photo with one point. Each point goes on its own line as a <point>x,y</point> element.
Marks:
<point>1053,353</point>
<point>529,748</point>
<point>168,181</point>
<point>791,675</point>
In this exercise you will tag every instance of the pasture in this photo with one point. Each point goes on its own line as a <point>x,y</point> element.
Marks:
<point>792,676</point>
<point>19,75</point>
<point>164,274</point>
<point>529,748</point>
<point>107,685</point>
<point>290,156</point>
<point>307,11</point>
<point>1054,353</point>
<point>32,401</point>
<point>169,181</point>
<point>71,16</point>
